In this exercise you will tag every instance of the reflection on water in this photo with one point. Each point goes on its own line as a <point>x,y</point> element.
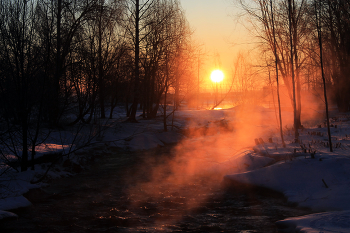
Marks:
<point>121,194</point>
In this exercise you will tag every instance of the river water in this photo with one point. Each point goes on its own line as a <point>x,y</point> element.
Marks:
<point>129,192</point>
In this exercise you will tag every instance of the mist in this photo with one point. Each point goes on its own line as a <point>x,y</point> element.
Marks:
<point>188,173</point>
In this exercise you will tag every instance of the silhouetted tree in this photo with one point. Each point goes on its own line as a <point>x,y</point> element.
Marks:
<point>22,80</point>
<point>276,67</point>
<point>336,21</point>
<point>147,26</point>
<point>292,33</point>
<point>69,18</point>
<point>318,10</point>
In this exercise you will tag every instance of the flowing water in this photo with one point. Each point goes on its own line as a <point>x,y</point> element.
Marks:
<point>128,192</point>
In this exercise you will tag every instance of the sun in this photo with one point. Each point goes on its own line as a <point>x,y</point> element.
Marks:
<point>217,76</point>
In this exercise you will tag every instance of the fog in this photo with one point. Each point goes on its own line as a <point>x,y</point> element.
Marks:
<point>214,146</point>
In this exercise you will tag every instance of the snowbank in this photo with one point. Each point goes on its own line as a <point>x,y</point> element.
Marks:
<point>321,183</point>
<point>316,223</point>
<point>10,203</point>
<point>304,181</point>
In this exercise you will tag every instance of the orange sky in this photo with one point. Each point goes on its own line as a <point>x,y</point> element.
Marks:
<point>216,27</point>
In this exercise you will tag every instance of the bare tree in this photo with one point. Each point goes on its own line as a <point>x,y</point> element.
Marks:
<point>288,39</point>
<point>69,17</point>
<point>336,20</point>
<point>22,80</point>
<point>146,25</point>
<point>318,12</point>
<point>176,39</point>
<point>36,36</point>
<point>293,53</point>
<point>276,68</point>
<point>137,12</point>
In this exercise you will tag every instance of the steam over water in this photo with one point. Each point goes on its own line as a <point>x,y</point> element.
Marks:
<point>171,189</point>
<point>139,192</point>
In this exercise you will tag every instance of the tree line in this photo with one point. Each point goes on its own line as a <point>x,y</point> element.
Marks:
<point>71,62</point>
<point>65,62</point>
<point>307,43</point>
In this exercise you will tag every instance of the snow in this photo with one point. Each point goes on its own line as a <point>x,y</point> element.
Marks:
<point>225,141</point>
<point>321,183</point>
<point>14,203</point>
<point>334,221</point>
<point>6,214</point>
<point>301,181</point>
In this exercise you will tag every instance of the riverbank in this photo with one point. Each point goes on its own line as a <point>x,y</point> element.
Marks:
<point>310,176</point>
<point>222,143</point>
<point>121,194</point>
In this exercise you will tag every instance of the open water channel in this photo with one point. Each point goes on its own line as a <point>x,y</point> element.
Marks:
<point>119,194</point>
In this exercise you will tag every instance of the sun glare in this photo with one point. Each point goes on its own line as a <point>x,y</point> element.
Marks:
<point>217,76</point>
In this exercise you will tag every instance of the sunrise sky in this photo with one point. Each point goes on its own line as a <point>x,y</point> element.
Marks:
<point>215,25</point>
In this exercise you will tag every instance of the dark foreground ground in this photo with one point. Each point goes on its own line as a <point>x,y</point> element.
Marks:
<point>137,192</point>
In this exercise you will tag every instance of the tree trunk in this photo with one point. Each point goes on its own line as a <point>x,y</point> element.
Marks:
<point>297,70</point>
<point>165,116</point>
<point>166,90</point>
<point>290,15</point>
<point>100,66</point>
<point>319,34</point>
<point>132,116</point>
<point>24,160</point>
<point>276,67</point>
<point>58,72</point>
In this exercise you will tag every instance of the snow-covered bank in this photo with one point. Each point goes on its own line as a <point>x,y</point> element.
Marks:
<point>335,221</point>
<point>128,136</point>
<point>321,183</point>
<point>304,181</point>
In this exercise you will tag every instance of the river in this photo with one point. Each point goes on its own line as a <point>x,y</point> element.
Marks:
<point>137,192</point>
